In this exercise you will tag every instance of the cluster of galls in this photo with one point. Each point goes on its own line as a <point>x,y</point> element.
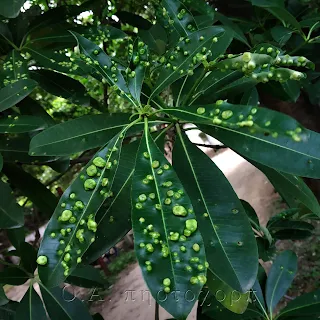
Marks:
<point>173,195</point>
<point>8,67</point>
<point>263,67</point>
<point>75,224</point>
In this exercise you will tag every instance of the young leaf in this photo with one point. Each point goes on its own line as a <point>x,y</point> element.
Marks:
<point>209,42</point>
<point>113,218</point>
<point>14,93</point>
<point>14,276</point>
<point>31,307</point>
<point>103,64</point>
<point>268,137</point>
<point>291,188</point>
<point>280,278</point>
<point>60,304</point>
<point>76,135</point>
<point>11,214</point>
<point>18,124</point>
<point>87,277</point>
<point>305,306</point>
<point>61,86</point>
<point>72,227</point>
<point>168,245</point>
<point>229,241</point>
<point>231,299</point>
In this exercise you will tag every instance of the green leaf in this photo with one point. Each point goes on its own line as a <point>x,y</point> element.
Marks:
<point>5,31</point>
<point>250,97</point>
<point>291,188</point>
<point>155,38</point>
<point>281,34</point>
<point>136,77</point>
<point>87,277</point>
<point>8,311</point>
<point>14,93</point>
<point>280,277</point>
<point>76,135</point>
<point>214,82</point>
<point>16,236</point>
<point>231,299</point>
<point>159,216</point>
<point>14,276</point>
<point>104,65</point>
<point>195,48</point>
<point>72,228</point>
<point>263,135</point>
<point>28,256</point>
<point>134,20</point>
<point>11,8</point>
<point>16,150</point>
<point>59,61</point>
<point>31,306</point>
<point>61,86</point>
<point>11,214</point>
<point>3,298</point>
<point>1,161</point>
<point>14,68</point>
<point>60,304</point>
<point>114,216</point>
<point>268,3</point>
<point>223,223</point>
<point>290,229</point>
<point>306,305</point>
<point>18,124</point>
<point>238,34</point>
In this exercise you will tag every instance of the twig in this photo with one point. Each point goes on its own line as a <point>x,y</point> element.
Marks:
<point>216,146</point>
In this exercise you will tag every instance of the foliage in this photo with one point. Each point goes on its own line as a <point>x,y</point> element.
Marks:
<point>78,88</point>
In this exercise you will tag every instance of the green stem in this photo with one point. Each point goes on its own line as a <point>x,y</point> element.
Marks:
<point>180,92</point>
<point>11,43</point>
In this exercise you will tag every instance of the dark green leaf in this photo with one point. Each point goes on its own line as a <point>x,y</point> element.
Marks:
<point>263,135</point>
<point>28,256</point>
<point>266,251</point>
<point>14,276</point>
<point>16,149</point>
<point>86,277</point>
<point>194,47</point>
<point>11,214</point>
<point>155,38</point>
<point>134,20</point>
<point>1,161</point>
<point>291,188</point>
<point>231,299</point>
<point>114,217</point>
<point>18,124</point>
<point>306,305</point>
<point>250,97</point>
<point>8,311</point>
<point>97,316</point>
<point>5,31</point>
<point>77,135</point>
<point>238,34</point>
<point>251,214</point>
<point>14,68</point>
<point>11,8</point>
<point>61,86</point>
<point>281,34</point>
<point>14,93</point>
<point>223,223</point>
<point>16,236</point>
<point>214,82</point>
<point>280,277</point>
<point>60,304</point>
<point>104,65</point>
<point>258,297</point>
<point>288,229</point>
<point>72,228</point>
<point>165,218</point>
<point>3,298</point>
<point>31,307</point>
<point>285,16</point>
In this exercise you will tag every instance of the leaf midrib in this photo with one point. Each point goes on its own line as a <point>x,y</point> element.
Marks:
<point>241,133</point>
<point>205,204</point>
<point>160,202</point>
<point>274,291</point>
